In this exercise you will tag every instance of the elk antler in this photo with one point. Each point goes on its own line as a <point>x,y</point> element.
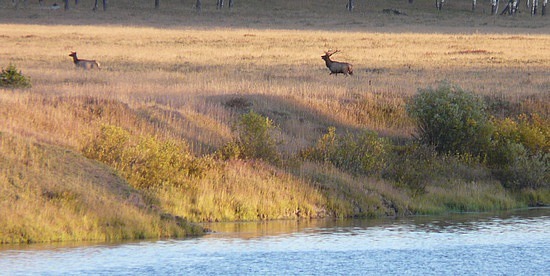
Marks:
<point>330,53</point>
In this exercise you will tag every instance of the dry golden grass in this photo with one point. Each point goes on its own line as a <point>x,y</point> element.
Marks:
<point>194,72</point>
<point>53,194</point>
<point>246,192</point>
<point>175,76</point>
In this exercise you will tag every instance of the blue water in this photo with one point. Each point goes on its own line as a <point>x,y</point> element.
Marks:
<point>516,243</point>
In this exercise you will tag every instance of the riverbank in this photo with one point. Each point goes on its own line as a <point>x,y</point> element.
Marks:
<point>460,243</point>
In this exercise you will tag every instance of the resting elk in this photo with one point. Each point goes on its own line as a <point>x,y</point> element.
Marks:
<point>336,67</point>
<point>84,63</point>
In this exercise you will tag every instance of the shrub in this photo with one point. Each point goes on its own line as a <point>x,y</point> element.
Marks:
<point>451,119</point>
<point>363,153</point>
<point>531,131</point>
<point>525,172</point>
<point>108,146</point>
<point>145,161</point>
<point>254,139</point>
<point>412,166</point>
<point>152,163</point>
<point>12,78</point>
<point>519,155</point>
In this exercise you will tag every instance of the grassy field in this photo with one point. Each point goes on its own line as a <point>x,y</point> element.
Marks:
<point>174,75</point>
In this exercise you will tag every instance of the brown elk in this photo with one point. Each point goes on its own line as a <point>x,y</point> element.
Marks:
<point>84,63</point>
<point>336,67</point>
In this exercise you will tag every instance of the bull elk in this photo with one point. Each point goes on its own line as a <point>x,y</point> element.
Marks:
<point>336,67</point>
<point>84,63</point>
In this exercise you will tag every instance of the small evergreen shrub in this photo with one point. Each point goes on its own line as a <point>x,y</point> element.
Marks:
<point>12,78</point>
<point>451,119</point>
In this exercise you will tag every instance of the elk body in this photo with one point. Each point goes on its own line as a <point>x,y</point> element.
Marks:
<point>336,67</point>
<point>84,63</point>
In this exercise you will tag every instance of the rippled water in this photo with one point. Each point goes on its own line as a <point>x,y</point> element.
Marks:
<point>516,243</point>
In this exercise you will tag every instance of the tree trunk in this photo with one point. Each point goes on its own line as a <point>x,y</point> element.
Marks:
<point>198,6</point>
<point>506,9</point>
<point>543,12</point>
<point>515,4</point>
<point>96,5</point>
<point>439,4</point>
<point>474,2</point>
<point>350,5</point>
<point>494,7</point>
<point>230,4</point>
<point>66,4</point>
<point>157,4</point>
<point>534,7</point>
<point>219,4</point>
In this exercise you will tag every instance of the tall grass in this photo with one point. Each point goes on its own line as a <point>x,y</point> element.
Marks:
<point>53,194</point>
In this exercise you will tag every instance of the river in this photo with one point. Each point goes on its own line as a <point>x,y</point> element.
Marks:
<point>511,243</point>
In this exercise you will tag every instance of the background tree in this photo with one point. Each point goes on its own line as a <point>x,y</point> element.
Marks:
<point>96,5</point>
<point>350,5</point>
<point>534,7</point>
<point>439,4</point>
<point>221,3</point>
<point>511,8</point>
<point>198,6</point>
<point>494,7</point>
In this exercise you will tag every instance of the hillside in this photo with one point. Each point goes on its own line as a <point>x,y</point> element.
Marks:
<point>54,194</point>
<point>232,115</point>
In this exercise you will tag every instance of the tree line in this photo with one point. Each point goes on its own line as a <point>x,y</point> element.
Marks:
<point>511,7</point>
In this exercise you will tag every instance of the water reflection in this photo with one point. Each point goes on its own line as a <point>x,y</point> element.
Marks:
<point>452,223</point>
<point>501,243</point>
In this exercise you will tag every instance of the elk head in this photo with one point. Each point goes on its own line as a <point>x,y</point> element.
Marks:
<point>329,53</point>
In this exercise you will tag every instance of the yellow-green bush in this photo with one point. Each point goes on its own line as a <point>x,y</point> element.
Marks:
<point>254,139</point>
<point>520,152</point>
<point>531,131</point>
<point>146,162</point>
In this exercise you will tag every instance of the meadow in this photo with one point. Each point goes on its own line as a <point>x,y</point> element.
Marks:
<point>174,85</point>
